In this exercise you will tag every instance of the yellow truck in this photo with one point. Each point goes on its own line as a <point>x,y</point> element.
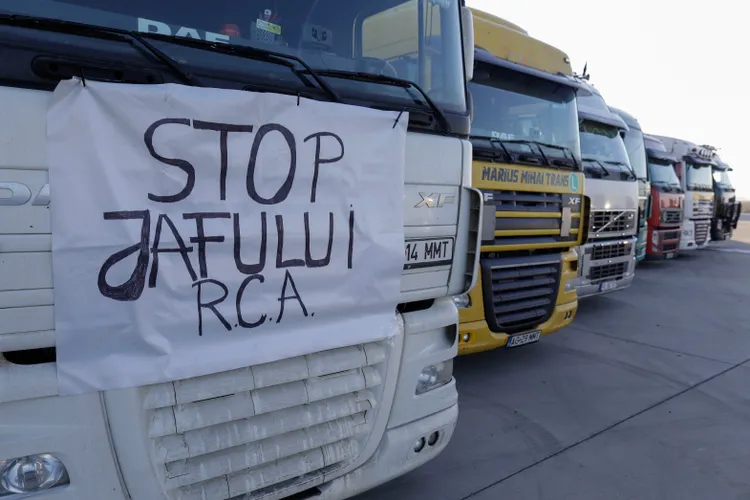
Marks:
<point>527,163</point>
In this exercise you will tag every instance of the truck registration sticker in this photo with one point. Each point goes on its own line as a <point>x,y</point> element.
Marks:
<point>428,252</point>
<point>523,338</point>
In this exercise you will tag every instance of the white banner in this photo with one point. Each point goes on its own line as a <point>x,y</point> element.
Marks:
<point>200,230</point>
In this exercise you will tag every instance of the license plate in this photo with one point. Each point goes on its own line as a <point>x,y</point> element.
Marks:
<point>428,252</point>
<point>670,256</point>
<point>607,285</point>
<point>524,338</point>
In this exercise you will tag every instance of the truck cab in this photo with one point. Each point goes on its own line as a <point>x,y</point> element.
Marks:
<point>527,165</point>
<point>329,424</point>
<point>727,209</point>
<point>667,202</point>
<point>694,169</point>
<point>606,262</point>
<point>637,155</point>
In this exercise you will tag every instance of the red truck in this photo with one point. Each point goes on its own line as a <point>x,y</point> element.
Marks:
<point>667,202</point>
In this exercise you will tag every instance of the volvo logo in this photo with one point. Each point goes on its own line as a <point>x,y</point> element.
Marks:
<point>435,200</point>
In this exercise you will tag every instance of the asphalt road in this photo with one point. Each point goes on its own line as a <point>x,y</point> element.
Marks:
<point>646,396</point>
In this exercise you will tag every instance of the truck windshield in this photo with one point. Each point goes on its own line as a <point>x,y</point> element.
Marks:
<point>722,180</point>
<point>365,37</point>
<point>663,175</point>
<point>636,152</point>
<point>699,178</point>
<point>603,151</point>
<point>519,109</point>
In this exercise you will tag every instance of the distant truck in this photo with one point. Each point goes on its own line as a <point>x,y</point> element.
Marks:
<point>637,155</point>
<point>694,169</point>
<point>667,202</point>
<point>527,164</point>
<point>727,208</point>
<point>607,261</point>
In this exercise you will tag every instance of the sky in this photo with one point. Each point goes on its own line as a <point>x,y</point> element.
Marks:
<point>678,67</point>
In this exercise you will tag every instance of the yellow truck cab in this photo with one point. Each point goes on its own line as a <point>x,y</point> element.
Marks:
<point>526,153</point>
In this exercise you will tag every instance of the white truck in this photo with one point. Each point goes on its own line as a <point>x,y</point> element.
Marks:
<point>328,425</point>
<point>695,171</point>
<point>607,261</point>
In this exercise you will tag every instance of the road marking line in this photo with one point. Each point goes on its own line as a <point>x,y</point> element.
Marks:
<point>731,250</point>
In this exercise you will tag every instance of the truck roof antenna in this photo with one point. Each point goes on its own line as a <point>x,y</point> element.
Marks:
<point>585,75</point>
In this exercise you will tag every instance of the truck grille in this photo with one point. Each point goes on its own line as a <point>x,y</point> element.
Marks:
<point>671,235</point>
<point>517,223</point>
<point>702,229</point>
<point>703,208</point>
<point>671,216</point>
<point>669,247</point>
<point>609,222</point>
<point>599,252</point>
<point>519,292</point>
<point>247,432</point>
<point>607,271</point>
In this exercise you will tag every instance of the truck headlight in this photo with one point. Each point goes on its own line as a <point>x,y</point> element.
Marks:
<point>434,376</point>
<point>462,301</point>
<point>687,232</point>
<point>655,238</point>
<point>31,474</point>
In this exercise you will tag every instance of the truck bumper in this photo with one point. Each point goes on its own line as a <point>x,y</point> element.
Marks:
<point>396,455</point>
<point>475,336</point>
<point>605,266</point>
<point>663,243</point>
<point>695,234</point>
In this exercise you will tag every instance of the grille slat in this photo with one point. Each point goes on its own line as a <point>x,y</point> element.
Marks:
<point>607,271</point>
<point>703,208</point>
<point>519,292</point>
<point>671,216</point>
<point>548,207</point>
<point>287,421</point>
<point>669,247</point>
<point>671,235</point>
<point>611,251</point>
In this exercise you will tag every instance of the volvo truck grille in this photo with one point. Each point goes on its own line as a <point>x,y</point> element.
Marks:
<point>608,223</point>
<point>671,235</point>
<point>246,433</point>
<point>607,271</point>
<point>702,229</point>
<point>669,247</point>
<point>703,208</point>
<point>610,251</point>
<point>671,216</point>
<point>519,292</point>
<point>524,218</point>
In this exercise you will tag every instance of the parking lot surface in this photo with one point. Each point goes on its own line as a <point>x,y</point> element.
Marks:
<point>646,396</point>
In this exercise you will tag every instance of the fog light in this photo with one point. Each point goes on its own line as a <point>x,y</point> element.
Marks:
<point>435,376</point>
<point>31,474</point>
<point>462,301</point>
<point>465,337</point>
<point>419,445</point>
<point>433,438</point>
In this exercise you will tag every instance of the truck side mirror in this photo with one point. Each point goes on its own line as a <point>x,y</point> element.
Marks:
<point>467,29</point>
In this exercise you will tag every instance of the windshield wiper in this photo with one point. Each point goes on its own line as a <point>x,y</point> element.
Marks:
<point>389,80</point>
<point>493,141</point>
<point>623,164</point>
<point>666,185</point>
<point>131,37</point>
<point>594,160</point>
